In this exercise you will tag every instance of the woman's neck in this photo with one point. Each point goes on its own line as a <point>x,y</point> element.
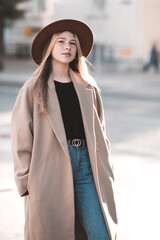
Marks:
<point>60,72</point>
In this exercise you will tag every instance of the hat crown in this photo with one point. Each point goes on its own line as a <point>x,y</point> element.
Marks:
<point>81,29</point>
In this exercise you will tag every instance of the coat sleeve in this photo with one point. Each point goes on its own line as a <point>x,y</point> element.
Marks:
<point>100,111</point>
<point>22,139</point>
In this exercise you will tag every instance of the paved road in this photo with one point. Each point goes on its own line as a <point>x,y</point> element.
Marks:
<point>132,106</point>
<point>132,112</point>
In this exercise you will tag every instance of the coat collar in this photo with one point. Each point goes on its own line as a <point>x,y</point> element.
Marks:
<point>85,97</point>
<point>76,79</point>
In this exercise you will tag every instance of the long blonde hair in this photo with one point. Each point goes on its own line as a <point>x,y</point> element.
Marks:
<point>42,73</point>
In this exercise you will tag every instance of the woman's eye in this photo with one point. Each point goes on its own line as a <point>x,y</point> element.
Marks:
<point>73,43</point>
<point>61,41</point>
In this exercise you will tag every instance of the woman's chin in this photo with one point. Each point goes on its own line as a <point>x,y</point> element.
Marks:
<point>64,61</point>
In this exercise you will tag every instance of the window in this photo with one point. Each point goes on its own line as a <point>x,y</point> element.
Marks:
<point>126,2</point>
<point>41,5</point>
<point>100,4</point>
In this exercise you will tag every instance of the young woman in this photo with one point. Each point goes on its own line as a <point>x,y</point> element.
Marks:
<point>60,148</point>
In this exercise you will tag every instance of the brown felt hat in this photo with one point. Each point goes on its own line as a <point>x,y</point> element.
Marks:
<point>82,31</point>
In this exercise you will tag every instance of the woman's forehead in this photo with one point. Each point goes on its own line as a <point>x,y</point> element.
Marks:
<point>66,34</point>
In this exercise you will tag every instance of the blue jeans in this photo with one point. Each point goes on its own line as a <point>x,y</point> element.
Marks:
<point>86,198</point>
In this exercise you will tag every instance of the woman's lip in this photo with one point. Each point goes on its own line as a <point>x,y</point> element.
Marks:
<point>67,54</point>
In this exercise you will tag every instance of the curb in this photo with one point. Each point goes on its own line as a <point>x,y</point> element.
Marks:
<point>8,78</point>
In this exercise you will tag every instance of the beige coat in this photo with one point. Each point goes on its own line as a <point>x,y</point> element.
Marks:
<point>43,167</point>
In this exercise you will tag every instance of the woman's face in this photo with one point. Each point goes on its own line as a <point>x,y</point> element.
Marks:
<point>65,48</point>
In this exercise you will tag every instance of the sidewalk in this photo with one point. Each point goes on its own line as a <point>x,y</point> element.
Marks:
<point>137,169</point>
<point>17,71</point>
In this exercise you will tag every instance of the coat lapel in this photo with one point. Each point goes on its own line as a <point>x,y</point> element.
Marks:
<point>55,116</point>
<point>85,97</point>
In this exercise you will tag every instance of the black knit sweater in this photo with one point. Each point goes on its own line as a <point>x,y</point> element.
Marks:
<point>70,109</point>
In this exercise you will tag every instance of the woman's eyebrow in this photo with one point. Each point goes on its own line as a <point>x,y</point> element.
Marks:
<point>65,38</point>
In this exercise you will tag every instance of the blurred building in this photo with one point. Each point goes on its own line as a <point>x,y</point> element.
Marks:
<point>132,27</point>
<point>124,29</point>
<point>38,13</point>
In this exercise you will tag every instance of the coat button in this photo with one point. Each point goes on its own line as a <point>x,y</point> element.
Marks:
<point>97,149</point>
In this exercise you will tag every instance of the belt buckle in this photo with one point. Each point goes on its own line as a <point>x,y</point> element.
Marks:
<point>76,142</point>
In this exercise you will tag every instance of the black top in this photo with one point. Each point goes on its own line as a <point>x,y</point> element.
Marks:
<point>70,109</point>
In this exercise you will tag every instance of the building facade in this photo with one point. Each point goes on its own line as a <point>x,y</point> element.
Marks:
<point>124,30</point>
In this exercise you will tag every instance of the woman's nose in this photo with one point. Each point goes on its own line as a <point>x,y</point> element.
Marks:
<point>67,46</point>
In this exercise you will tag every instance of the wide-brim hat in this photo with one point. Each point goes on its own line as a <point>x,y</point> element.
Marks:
<point>81,29</point>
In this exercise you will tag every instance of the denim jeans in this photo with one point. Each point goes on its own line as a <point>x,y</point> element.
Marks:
<point>86,198</point>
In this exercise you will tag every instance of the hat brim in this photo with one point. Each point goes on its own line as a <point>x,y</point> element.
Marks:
<point>82,31</point>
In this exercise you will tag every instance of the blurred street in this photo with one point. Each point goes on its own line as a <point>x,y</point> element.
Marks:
<point>132,109</point>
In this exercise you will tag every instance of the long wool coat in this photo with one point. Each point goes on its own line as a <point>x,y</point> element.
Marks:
<point>42,163</point>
